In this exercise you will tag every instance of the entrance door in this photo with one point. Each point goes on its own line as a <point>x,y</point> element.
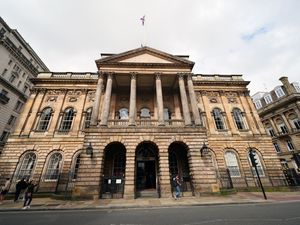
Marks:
<point>146,175</point>
<point>146,171</point>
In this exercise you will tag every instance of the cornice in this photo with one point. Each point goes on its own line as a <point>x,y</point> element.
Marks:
<point>18,54</point>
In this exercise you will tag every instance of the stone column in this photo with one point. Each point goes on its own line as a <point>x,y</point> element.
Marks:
<point>159,99</point>
<point>184,101</point>
<point>286,122</point>
<point>193,101</point>
<point>107,98</point>
<point>132,104</point>
<point>129,192</point>
<point>164,173</point>
<point>94,119</point>
<point>274,126</point>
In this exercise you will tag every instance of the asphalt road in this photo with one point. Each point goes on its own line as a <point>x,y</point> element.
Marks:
<point>244,214</point>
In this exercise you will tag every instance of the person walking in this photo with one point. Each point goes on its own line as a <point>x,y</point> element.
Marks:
<point>177,184</point>
<point>21,185</point>
<point>4,189</point>
<point>28,194</point>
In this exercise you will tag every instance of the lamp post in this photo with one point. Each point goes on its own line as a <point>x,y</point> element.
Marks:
<point>89,150</point>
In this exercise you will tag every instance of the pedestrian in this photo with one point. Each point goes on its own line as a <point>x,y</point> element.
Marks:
<point>177,184</point>
<point>21,185</point>
<point>29,193</point>
<point>4,189</point>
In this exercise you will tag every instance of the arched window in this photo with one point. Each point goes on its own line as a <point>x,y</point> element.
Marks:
<point>238,118</point>
<point>76,167</point>
<point>88,116</point>
<point>259,165</point>
<point>44,119</point>
<point>53,168</point>
<point>67,119</point>
<point>218,117</point>
<point>26,166</point>
<point>123,114</point>
<point>232,164</point>
<point>145,113</point>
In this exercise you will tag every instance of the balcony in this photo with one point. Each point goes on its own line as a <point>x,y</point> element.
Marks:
<point>4,99</point>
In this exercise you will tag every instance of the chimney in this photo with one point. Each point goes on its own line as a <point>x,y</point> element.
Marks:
<point>288,87</point>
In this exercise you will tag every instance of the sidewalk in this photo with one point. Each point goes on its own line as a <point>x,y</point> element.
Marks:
<point>238,198</point>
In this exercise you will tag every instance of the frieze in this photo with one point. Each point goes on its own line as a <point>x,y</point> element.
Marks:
<point>74,92</point>
<point>91,96</point>
<point>212,94</point>
<point>231,94</point>
<point>54,92</point>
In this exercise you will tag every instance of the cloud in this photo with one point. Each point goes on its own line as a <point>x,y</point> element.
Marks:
<point>259,39</point>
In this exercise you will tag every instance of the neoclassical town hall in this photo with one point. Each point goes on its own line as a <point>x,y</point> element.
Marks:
<point>126,130</point>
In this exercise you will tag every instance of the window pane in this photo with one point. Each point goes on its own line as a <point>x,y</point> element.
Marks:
<point>26,167</point>
<point>52,171</point>
<point>232,164</point>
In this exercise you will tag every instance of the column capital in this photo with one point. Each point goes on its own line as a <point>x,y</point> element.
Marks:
<point>157,76</point>
<point>133,75</point>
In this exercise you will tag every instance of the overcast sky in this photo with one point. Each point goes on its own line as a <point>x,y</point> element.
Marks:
<point>257,38</point>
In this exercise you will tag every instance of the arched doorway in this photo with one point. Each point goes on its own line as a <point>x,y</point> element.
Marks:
<point>146,181</point>
<point>113,171</point>
<point>179,164</point>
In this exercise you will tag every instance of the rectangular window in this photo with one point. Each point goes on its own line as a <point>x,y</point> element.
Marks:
<point>268,98</point>
<point>12,78</point>
<point>277,148</point>
<point>19,83</point>
<point>12,120</point>
<point>4,136</point>
<point>4,72</point>
<point>297,123</point>
<point>279,92</point>
<point>283,129</point>
<point>289,145</point>
<point>25,89</point>
<point>258,104</point>
<point>10,61</point>
<point>297,87</point>
<point>271,132</point>
<point>18,106</point>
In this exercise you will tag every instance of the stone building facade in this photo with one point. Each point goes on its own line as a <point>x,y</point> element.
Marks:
<point>126,130</point>
<point>18,63</point>
<point>279,111</point>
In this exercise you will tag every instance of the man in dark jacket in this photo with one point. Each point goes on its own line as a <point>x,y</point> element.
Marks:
<point>21,185</point>
<point>28,193</point>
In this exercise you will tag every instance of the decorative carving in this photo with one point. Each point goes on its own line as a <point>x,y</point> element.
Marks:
<point>91,96</point>
<point>53,92</point>
<point>212,94</point>
<point>51,99</point>
<point>213,100</point>
<point>232,100</point>
<point>72,99</point>
<point>74,92</point>
<point>231,94</point>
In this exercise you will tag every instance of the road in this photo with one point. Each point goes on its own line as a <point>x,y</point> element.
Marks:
<point>241,214</point>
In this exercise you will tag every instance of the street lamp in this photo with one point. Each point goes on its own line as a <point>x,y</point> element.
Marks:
<point>89,150</point>
<point>204,149</point>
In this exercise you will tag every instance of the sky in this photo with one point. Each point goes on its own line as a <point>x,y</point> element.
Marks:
<point>259,39</point>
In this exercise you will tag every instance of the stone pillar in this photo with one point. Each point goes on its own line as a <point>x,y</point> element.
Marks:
<point>184,101</point>
<point>94,119</point>
<point>193,100</point>
<point>164,172</point>
<point>107,98</point>
<point>274,126</point>
<point>21,121</point>
<point>132,104</point>
<point>286,122</point>
<point>129,175</point>
<point>159,99</point>
<point>29,126</point>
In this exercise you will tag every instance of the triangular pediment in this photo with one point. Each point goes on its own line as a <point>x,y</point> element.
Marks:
<point>143,57</point>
